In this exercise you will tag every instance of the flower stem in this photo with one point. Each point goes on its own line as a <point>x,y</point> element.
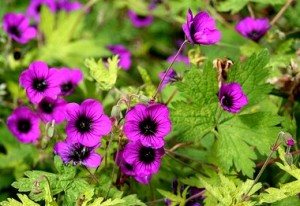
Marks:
<point>167,71</point>
<point>195,196</point>
<point>282,10</point>
<point>250,10</point>
<point>273,149</point>
<point>172,96</point>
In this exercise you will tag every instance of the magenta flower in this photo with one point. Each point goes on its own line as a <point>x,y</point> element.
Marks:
<point>40,82</point>
<point>232,98</point>
<point>68,6</point>
<point>124,55</point>
<point>18,28</point>
<point>138,20</point>
<point>78,153</point>
<point>201,29</point>
<point>24,125</point>
<point>253,29</point>
<point>125,167</point>
<point>52,109</point>
<point>145,160</point>
<point>149,124</point>
<point>86,122</point>
<point>128,169</point>
<point>170,78</point>
<point>70,78</point>
<point>34,8</point>
<point>180,58</point>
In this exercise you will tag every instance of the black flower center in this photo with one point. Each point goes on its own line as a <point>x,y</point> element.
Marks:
<point>39,84</point>
<point>66,87</point>
<point>227,101</point>
<point>15,31</point>
<point>79,152</point>
<point>83,124</point>
<point>47,107</point>
<point>24,125</point>
<point>38,8</point>
<point>254,35</point>
<point>147,155</point>
<point>148,127</point>
<point>140,17</point>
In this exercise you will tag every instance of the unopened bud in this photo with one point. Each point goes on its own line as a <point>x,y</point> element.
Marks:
<point>116,112</point>
<point>288,139</point>
<point>144,99</point>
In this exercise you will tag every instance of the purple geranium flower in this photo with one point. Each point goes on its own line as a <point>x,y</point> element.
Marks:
<point>128,169</point>
<point>86,122</point>
<point>70,78</point>
<point>78,153</point>
<point>68,6</point>
<point>201,29</point>
<point>138,20</point>
<point>52,109</point>
<point>24,124</point>
<point>180,58</point>
<point>124,55</point>
<point>150,124</point>
<point>34,8</point>
<point>232,98</point>
<point>170,78</point>
<point>145,160</point>
<point>39,82</point>
<point>253,29</point>
<point>18,28</point>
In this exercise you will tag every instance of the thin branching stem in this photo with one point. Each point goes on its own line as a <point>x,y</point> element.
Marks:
<point>282,10</point>
<point>168,69</point>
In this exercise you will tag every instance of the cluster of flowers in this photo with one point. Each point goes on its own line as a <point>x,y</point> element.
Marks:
<point>146,127</point>
<point>86,123</point>
<point>18,25</point>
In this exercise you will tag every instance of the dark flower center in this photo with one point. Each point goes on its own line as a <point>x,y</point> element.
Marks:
<point>148,127</point>
<point>79,152</point>
<point>47,107</point>
<point>38,8</point>
<point>15,31</point>
<point>254,34</point>
<point>39,84</point>
<point>83,124</point>
<point>140,17</point>
<point>147,155</point>
<point>66,87</point>
<point>227,101</point>
<point>24,125</point>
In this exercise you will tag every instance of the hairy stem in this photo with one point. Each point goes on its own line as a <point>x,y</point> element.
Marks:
<point>282,10</point>
<point>168,69</point>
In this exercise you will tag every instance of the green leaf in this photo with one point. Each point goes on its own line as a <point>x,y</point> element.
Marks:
<point>197,117</point>
<point>149,86</point>
<point>132,200</point>
<point>47,21</point>
<point>252,75</point>
<point>105,76</point>
<point>229,192</point>
<point>75,190</point>
<point>24,199</point>
<point>170,195</point>
<point>49,200</point>
<point>233,6</point>
<point>286,190</point>
<point>238,133</point>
